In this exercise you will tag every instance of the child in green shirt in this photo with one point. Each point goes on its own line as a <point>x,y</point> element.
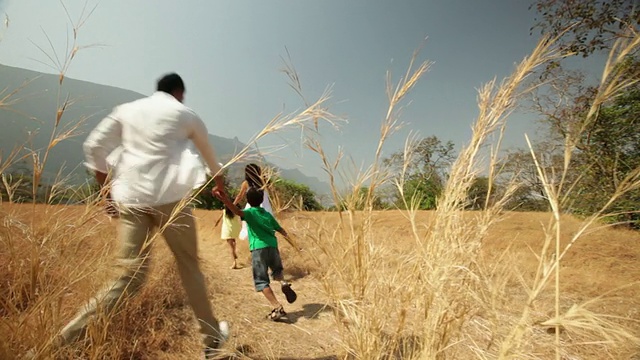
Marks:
<point>263,245</point>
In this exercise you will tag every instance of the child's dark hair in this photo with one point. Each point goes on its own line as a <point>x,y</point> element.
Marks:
<point>228,213</point>
<point>255,197</point>
<point>253,176</point>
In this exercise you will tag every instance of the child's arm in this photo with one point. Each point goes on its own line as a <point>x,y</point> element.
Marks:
<point>283,232</point>
<point>243,191</point>
<point>288,238</point>
<point>225,199</point>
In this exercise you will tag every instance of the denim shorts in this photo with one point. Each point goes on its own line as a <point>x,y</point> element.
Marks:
<point>261,261</point>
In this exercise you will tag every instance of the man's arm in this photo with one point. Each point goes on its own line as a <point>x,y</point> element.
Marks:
<point>105,138</point>
<point>110,208</point>
<point>200,137</point>
<point>101,178</point>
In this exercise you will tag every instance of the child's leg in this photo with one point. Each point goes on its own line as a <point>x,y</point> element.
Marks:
<point>232,247</point>
<point>271,297</point>
<point>275,264</point>
<point>260,265</point>
<point>277,272</point>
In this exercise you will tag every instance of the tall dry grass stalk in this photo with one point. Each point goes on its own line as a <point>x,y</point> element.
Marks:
<point>38,281</point>
<point>357,278</point>
<point>444,299</point>
<point>557,188</point>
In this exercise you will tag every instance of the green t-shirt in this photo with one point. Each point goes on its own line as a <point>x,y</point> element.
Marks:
<point>261,226</point>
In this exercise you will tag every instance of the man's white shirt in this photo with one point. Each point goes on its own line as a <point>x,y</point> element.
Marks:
<point>145,144</point>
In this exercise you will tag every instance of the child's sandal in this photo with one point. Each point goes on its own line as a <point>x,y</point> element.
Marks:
<point>276,313</point>
<point>289,293</point>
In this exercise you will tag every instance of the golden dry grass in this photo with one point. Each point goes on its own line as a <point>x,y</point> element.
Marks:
<point>158,324</point>
<point>447,284</point>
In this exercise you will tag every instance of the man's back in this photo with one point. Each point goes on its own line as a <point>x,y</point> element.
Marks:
<point>152,164</point>
<point>154,126</point>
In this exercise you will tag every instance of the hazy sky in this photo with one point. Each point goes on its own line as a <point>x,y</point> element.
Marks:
<point>229,54</point>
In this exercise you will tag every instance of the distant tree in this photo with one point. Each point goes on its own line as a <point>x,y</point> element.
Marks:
<point>17,184</point>
<point>606,145</point>
<point>357,200</point>
<point>477,195</point>
<point>588,25</point>
<point>610,151</point>
<point>421,192</point>
<point>387,194</point>
<point>292,194</point>
<point>519,165</point>
<point>524,199</point>
<point>206,200</point>
<point>16,187</point>
<point>425,173</point>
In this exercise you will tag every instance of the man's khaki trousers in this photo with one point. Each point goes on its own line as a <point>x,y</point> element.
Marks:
<point>136,231</point>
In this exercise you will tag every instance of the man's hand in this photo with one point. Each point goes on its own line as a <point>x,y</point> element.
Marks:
<point>110,207</point>
<point>112,210</point>
<point>218,193</point>
<point>219,187</point>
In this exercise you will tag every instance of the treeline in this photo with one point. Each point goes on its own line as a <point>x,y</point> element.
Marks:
<point>284,195</point>
<point>17,186</point>
<point>609,151</point>
<point>602,136</point>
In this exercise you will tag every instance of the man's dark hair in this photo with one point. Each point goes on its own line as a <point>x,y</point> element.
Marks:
<point>170,83</point>
<point>255,197</point>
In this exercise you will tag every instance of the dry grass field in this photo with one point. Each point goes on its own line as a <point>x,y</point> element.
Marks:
<point>54,257</point>
<point>446,284</point>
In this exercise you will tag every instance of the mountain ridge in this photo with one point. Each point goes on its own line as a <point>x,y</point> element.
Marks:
<point>32,112</point>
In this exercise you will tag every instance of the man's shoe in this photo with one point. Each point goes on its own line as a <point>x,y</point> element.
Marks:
<point>212,352</point>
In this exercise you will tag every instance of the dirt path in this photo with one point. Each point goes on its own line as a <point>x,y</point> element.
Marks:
<point>308,332</point>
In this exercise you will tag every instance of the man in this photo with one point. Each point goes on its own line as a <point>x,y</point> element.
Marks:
<point>152,177</point>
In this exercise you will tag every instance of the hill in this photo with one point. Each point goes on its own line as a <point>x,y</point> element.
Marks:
<point>34,112</point>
